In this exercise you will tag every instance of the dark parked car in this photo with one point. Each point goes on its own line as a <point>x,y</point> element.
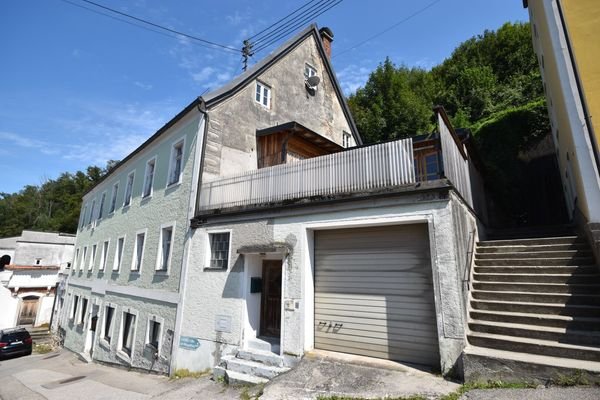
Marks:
<point>14,342</point>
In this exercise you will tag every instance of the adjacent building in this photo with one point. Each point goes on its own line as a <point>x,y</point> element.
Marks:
<point>564,37</point>
<point>30,273</point>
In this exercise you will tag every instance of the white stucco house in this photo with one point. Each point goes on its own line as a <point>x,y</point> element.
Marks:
<point>256,226</point>
<point>31,269</point>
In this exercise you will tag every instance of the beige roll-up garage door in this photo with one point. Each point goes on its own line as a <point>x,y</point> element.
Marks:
<point>374,293</point>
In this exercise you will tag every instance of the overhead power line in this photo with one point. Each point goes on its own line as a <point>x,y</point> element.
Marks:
<point>274,29</point>
<point>297,23</point>
<point>163,29</point>
<point>282,19</point>
<point>389,28</point>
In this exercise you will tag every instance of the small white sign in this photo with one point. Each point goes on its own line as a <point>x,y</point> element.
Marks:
<point>223,323</point>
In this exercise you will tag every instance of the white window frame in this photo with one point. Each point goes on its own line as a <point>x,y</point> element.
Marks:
<point>118,261</point>
<point>177,143</point>
<point>135,254</point>
<point>76,259</point>
<point>91,217</point>
<point>346,139</point>
<point>149,181</point>
<point>159,253</point>
<point>92,261</point>
<point>161,321</point>
<point>128,189</point>
<point>113,198</point>
<point>112,325</point>
<point>104,255</point>
<point>261,94</point>
<point>74,306</point>
<point>101,208</point>
<point>84,212</point>
<point>312,71</point>
<point>209,250</point>
<point>120,352</point>
<point>80,313</point>
<point>83,258</point>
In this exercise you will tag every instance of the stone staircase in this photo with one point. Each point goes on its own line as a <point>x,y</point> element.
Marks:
<point>249,367</point>
<point>40,334</point>
<point>534,311</point>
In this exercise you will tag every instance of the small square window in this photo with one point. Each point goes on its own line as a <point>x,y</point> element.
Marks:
<point>309,71</point>
<point>346,140</point>
<point>263,94</point>
<point>219,250</point>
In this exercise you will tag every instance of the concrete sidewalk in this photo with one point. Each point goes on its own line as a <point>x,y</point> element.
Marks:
<point>324,373</point>
<point>61,375</point>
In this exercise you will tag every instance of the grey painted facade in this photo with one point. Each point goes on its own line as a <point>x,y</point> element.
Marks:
<point>147,291</point>
<point>226,293</point>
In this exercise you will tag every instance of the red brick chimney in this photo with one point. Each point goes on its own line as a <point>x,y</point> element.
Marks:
<point>326,39</point>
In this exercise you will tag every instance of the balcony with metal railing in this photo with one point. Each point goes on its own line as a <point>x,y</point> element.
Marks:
<point>364,170</point>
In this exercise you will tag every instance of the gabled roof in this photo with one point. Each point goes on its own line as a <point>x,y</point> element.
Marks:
<point>224,92</point>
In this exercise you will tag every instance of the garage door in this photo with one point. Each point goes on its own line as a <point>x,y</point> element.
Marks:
<point>374,293</point>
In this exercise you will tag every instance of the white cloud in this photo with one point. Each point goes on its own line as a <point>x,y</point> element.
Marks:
<point>142,85</point>
<point>353,77</point>
<point>97,132</point>
<point>203,75</point>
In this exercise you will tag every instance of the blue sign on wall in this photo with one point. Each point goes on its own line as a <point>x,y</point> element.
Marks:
<point>189,342</point>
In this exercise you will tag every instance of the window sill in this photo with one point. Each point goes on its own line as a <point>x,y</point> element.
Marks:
<point>162,272</point>
<point>147,197</point>
<point>123,356</point>
<point>135,272</point>
<point>214,269</point>
<point>173,185</point>
<point>126,207</point>
<point>104,343</point>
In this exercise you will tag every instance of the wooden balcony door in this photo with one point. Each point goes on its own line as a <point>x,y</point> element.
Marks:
<point>270,310</point>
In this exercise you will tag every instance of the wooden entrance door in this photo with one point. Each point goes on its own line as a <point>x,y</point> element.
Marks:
<point>270,309</point>
<point>28,310</point>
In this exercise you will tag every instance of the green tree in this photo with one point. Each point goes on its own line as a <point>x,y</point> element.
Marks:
<point>395,103</point>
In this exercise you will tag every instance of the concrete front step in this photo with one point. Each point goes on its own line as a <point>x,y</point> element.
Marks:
<point>237,378</point>
<point>533,241</point>
<point>538,308</point>
<point>538,287</point>
<point>484,365</point>
<point>263,357</point>
<point>254,368</point>
<point>532,248</point>
<point>528,297</point>
<point>561,335</point>
<point>566,269</point>
<point>535,261</point>
<point>534,346</point>
<point>537,278</point>
<point>559,321</point>
<point>534,254</point>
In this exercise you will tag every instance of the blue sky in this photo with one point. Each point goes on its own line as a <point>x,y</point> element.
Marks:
<point>78,88</point>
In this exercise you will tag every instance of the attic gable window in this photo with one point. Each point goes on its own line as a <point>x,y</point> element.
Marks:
<point>309,71</point>
<point>263,94</point>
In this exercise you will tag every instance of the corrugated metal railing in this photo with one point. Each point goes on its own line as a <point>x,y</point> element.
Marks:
<point>456,166</point>
<point>352,171</point>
